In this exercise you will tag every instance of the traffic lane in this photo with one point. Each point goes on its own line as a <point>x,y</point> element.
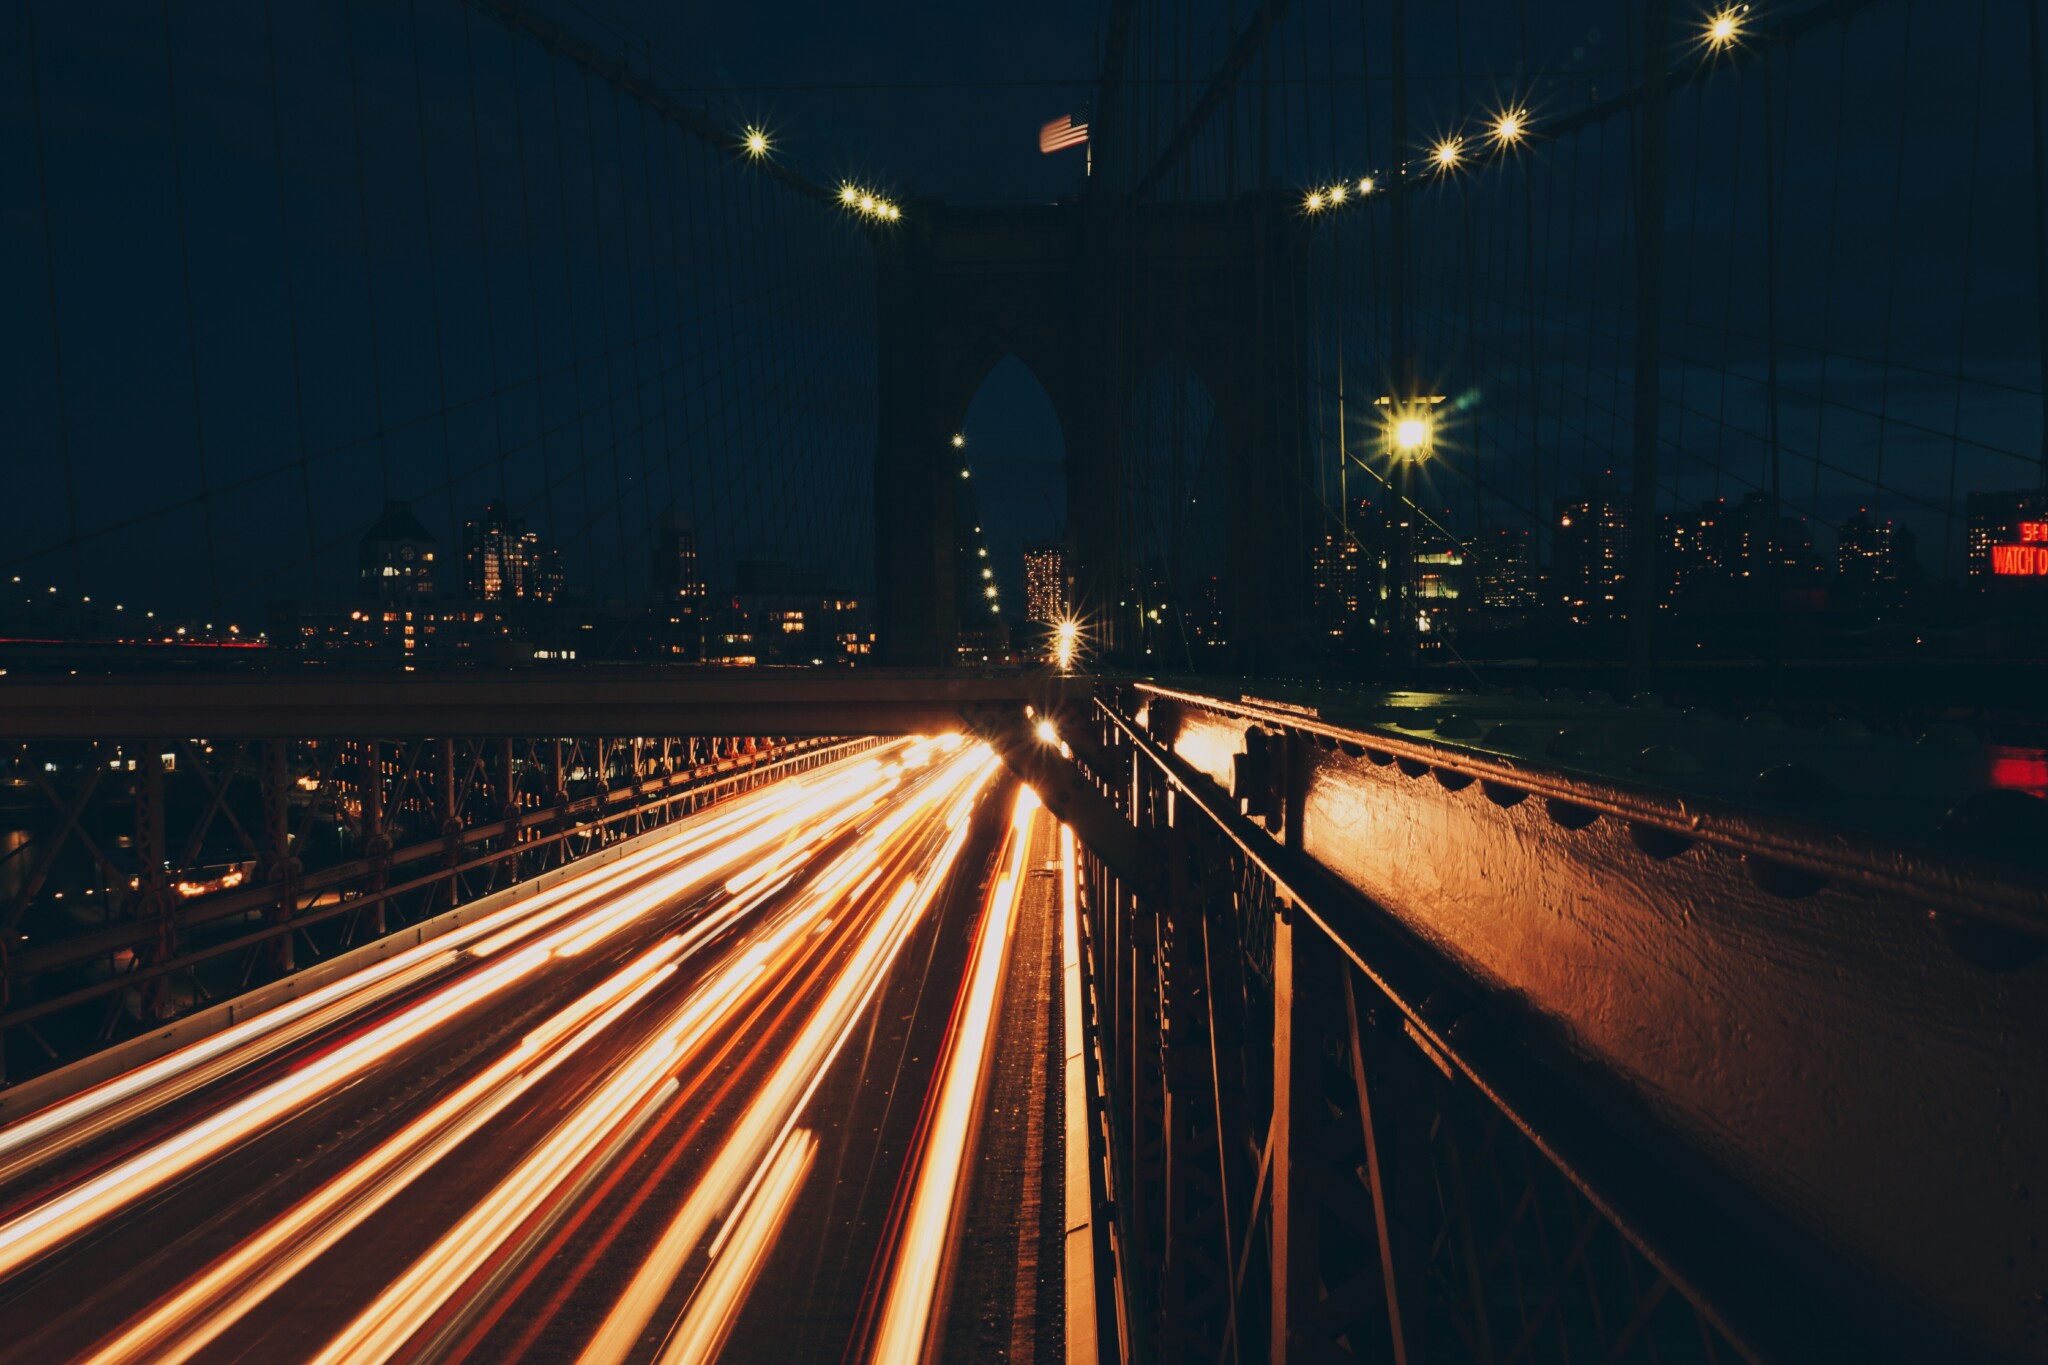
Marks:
<point>815,1291</point>
<point>291,1154</point>
<point>630,1231</point>
<point>67,1132</point>
<point>301,1315</point>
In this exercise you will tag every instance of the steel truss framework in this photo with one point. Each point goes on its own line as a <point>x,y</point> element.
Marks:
<point>195,869</point>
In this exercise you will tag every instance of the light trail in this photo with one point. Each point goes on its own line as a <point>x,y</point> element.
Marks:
<point>696,992</point>
<point>921,1245</point>
<point>780,1100</point>
<point>106,1105</point>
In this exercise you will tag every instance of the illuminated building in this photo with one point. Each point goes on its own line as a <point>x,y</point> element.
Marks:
<point>1335,575</point>
<point>1874,564</point>
<point>679,591</point>
<point>1589,542</point>
<point>409,630</point>
<point>502,561</point>
<point>1504,570</point>
<point>1045,581</point>
<point>677,577</point>
<point>2008,546</point>
<point>1206,624</point>
<point>395,558</point>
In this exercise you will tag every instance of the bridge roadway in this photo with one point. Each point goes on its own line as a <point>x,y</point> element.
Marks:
<point>584,1124</point>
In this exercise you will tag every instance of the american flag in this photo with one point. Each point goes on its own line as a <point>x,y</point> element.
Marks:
<point>1061,134</point>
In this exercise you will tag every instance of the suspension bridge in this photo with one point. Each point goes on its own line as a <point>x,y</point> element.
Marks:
<point>563,802</point>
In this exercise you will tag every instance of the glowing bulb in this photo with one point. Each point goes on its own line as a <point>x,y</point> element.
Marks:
<point>1046,734</point>
<point>1725,27</point>
<point>849,195</point>
<point>1411,433</point>
<point>757,142</point>
<point>989,591</point>
<point>1448,151</point>
<point>867,203</point>
<point>892,213</point>
<point>1336,194</point>
<point>958,440</point>
<point>1510,127</point>
<point>1365,185</point>
<point>1315,202</point>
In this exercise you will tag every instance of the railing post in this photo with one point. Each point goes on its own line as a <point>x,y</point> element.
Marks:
<point>508,807</point>
<point>376,839</point>
<point>1291,1224</point>
<point>280,868</point>
<point>152,899</point>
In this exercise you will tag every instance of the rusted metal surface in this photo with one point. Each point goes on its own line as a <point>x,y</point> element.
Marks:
<point>1844,1035</point>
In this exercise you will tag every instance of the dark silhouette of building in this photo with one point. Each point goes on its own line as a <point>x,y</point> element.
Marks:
<point>1589,557</point>
<point>1334,579</point>
<point>395,558</point>
<point>1875,566</point>
<point>1207,616</point>
<point>677,576</point>
<point>681,599</point>
<point>1504,575</point>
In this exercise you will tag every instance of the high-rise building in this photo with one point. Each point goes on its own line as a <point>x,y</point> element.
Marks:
<point>1504,570</point>
<point>1589,557</point>
<point>1206,625</point>
<point>1337,578</point>
<point>1045,581</point>
<point>395,558</point>
<point>502,561</point>
<point>677,578</point>
<point>1874,564</point>
<point>681,605</point>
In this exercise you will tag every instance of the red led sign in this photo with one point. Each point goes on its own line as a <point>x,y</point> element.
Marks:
<point>2020,561</point>
<point>2034,532</point>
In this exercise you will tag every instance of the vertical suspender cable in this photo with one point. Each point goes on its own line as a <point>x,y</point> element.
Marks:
<point>419,98</point>
<point>1650,176</point>
<point>191,320</point>
<point>35,99</point>
<point>291,298</point>
<point>483,243</point>
<point>355,104</point>
<point>2040,130</point>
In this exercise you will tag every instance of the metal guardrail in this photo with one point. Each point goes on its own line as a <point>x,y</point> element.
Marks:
<point>412,816</point>
<point>1326,1142</point>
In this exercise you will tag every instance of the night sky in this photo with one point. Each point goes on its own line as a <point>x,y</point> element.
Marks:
<point>578,306</point>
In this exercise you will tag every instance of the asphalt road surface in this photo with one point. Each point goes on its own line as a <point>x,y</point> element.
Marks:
<point>720,1097</point>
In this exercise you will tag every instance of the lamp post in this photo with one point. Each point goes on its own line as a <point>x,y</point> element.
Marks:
<point>1410,435</point>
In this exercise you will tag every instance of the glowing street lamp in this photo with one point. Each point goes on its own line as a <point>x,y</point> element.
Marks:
<point>1448,152</point>
<point>1314,202</point>
<point>958,440</point>
<point>1066,638</point>
<point>849,195</point>
<point>1724,27</point>
<point>1411,435</point>
<point>1510,128</point>
<point>757,143</point>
